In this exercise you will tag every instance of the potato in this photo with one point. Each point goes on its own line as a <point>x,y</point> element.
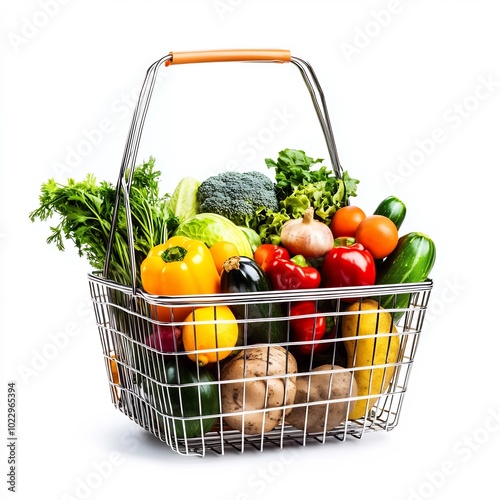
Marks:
<point>338,383</point>
<point>259,391</point>
<point>370,352</point>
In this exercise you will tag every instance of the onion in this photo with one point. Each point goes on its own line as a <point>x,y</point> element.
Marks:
<point>165,339</point>
<point>307,236</point>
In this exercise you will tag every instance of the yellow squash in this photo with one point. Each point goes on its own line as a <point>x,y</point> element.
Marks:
<point>369,352</point>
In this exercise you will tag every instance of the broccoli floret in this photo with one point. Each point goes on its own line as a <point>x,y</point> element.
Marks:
<point>239,196</point>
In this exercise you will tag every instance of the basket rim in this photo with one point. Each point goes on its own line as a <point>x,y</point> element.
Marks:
<point>97,276</point>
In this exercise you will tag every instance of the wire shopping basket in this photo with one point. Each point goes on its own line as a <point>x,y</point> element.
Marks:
<point>256,395</point>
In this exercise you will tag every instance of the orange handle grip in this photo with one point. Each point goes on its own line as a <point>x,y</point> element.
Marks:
<point>234,55</point>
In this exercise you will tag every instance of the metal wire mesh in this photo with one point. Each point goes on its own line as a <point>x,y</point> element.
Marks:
<point>176,411</point>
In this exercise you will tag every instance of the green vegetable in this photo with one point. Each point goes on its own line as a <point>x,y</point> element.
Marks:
<point>85,210</point>
<point>299,186</point>
<point>293,169</point>
<point>294,177</point>
<point>252,236</point>
<point>238,196</point>
<point>184,200</point>
<point>270,227</point>
<point>197,396</point>
<point>410,262</point>
<point>393,208</point>
<point>244,275</point>
<point>300,260</point>
<point>211,228</point>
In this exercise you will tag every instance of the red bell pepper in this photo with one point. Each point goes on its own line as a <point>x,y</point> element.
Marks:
<point>287,275</point>
<point>267,252</point>
<point>307,330</point>
<point>348,265</point>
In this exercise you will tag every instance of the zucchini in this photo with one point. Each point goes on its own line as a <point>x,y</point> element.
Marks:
<point>184,391</point>
<point>392,208</point>
<point>410,262</point>
<point>242,274</point>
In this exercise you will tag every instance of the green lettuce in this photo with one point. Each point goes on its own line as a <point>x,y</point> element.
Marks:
<point>184,201</point>
<point>299,186</point>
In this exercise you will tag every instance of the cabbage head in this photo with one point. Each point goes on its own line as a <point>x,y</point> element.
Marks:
<point>211,228</point>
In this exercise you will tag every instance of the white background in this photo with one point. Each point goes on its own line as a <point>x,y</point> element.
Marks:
<point>405,82</point>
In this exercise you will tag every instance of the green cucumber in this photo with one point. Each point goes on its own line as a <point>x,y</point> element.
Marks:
<point>410,262</point>
<point>242,275</point>
<point>393,208</point>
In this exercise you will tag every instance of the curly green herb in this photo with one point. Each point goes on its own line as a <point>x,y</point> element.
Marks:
<point>85,210</point>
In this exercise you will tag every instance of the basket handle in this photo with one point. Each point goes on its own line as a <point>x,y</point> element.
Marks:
<point>130,153</point>
<point>238,55</point>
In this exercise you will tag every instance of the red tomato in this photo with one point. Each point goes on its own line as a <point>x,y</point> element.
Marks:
<point>378,234</point>
<point>346,220</point>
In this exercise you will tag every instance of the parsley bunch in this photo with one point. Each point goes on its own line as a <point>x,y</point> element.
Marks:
<point>85,210</point>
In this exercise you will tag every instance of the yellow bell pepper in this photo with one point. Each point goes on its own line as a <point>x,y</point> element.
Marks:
<point>180,266</point>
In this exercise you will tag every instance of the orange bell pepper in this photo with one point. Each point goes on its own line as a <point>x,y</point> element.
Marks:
<point>180,266</point>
